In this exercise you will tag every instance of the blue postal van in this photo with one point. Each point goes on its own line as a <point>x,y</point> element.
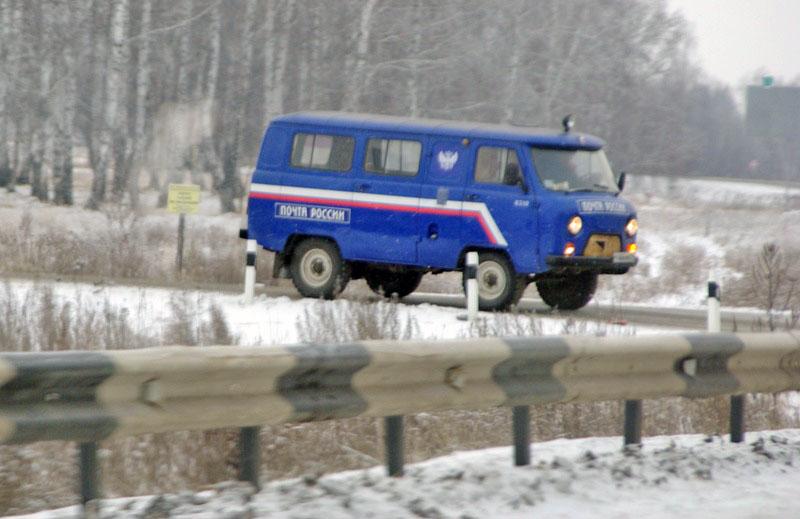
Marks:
<point>341,196</point>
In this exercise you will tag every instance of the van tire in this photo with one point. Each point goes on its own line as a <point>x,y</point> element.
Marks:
<point>569,292</point>
<point>318,269</point>
<point>499,287</point>
<point>385,282</point>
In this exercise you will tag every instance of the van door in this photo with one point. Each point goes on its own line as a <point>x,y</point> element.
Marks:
<point>503,214</point>
<point>315,196</point>
<point>386,200</point>
<point>441,203</point>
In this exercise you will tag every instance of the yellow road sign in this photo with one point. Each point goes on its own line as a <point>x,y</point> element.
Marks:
<point>183,198</point>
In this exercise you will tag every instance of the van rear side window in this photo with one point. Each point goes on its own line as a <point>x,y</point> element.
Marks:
<point>392,157</point>
<point>319,151</point>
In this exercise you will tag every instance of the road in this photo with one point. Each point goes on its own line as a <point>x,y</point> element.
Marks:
<point>732,320</point>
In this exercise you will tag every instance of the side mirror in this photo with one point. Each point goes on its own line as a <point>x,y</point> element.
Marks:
<point>621,181</point>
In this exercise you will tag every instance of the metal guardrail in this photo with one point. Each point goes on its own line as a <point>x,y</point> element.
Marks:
<point>93,396</point>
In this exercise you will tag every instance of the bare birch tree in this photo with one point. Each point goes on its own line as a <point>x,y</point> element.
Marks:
<point>5,32</point>
<point>113,88</point>
<point>359,61</point>
<point>140,111</point>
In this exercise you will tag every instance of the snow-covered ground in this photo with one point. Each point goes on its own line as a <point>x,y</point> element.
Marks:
<point>693,230</point>
<point>689,476</point>
<point>280,320</point>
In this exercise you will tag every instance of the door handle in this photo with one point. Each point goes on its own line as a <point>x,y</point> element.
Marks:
<point>363,187</point>
<point>474,197</point>
<point>433,231</point>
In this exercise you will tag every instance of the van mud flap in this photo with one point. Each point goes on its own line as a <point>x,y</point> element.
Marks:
<point>280,270</point>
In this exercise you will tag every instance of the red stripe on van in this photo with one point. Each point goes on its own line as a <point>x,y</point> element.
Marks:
<point>385,207</point>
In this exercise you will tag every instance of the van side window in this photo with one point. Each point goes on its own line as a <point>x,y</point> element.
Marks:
<point>318,151</point>
<point>497,166</point>
<point>392,157</point>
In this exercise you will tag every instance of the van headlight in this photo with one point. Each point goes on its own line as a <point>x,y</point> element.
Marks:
<point>632,227</point>
<point>575,225</point>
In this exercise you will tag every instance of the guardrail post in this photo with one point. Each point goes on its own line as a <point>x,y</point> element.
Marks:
<point>250,271</point>
<point>471,272</point>
<point>737,418</point>
<point>714,315</point>
<point>87,460</point>
<point>181,239</point>
<point>633,422</point>
<point>715,326</point>
<point>521,419</point>
<point>393,434</point>
<point>249,455</point>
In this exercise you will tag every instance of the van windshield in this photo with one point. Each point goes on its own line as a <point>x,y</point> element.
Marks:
<point>574,170</point>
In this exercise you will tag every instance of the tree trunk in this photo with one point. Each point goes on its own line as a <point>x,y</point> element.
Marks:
<point>277,64</point>
<point>142,84</point>
<point>412,81</point>
<point>514,66</point>
<point>114,84</point>
<point>16,49</point>
<point>5,23</point>
<point>67,97</point>
<point>42,135</point>
<point>355,85</point>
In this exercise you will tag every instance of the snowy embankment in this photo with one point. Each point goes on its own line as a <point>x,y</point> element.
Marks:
<point>688,476</point>
<point>280,320</point>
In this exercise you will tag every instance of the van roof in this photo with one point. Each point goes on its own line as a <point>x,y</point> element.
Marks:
<point>472,130</point>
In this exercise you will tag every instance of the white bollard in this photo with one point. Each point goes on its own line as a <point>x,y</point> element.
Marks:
<point>471,272</point>
<point>250,271</point>
<point>714,314</point>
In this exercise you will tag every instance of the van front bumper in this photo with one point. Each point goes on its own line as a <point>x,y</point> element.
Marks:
<point>619,263</point>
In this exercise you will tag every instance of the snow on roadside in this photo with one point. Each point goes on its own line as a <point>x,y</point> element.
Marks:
<point>687,476</point>
<point>739,192</point>
<point>274,320</point>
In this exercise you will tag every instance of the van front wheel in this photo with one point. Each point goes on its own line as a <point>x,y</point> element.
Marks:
<point>568,292</point>
<point>318,269</point>
<point>498,284</point>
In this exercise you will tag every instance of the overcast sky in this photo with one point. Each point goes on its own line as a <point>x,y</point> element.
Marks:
<point>734,38</point>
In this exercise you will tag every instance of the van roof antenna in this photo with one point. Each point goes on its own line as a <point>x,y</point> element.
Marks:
<point>568,122</point>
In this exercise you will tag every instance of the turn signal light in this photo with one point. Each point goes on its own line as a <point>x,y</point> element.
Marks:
<point>632,248</point>
<point>569,249</point>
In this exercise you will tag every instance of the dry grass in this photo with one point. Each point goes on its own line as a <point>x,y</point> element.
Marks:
<point>43,475</point>
<point>123,245</point>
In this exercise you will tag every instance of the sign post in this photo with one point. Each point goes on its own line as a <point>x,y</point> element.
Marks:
<point>182,199</point>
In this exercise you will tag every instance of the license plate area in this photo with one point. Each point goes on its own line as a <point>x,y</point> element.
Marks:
<point>602,246</point>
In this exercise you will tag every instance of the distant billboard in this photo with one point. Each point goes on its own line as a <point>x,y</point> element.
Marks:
<point>773,112</point>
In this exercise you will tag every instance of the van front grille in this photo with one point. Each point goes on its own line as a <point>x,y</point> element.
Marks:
<point>602,245</point>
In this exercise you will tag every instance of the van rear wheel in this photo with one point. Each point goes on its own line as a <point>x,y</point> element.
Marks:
<point>498,284</point>
<point>569,292</point>
<point>318,269</point>
<point>385,282</point>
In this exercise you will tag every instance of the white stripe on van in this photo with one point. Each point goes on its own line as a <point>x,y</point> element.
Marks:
<point>404,201</point>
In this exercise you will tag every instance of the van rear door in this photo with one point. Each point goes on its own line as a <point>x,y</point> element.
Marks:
<point>315,196</point>
<point>441,204</point>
